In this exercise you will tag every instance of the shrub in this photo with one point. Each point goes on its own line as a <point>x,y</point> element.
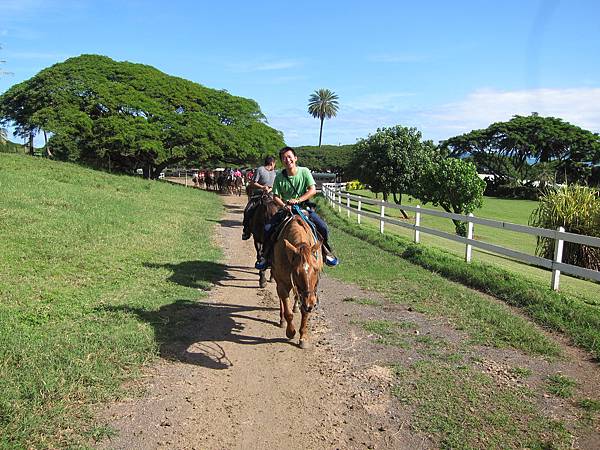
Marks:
<point>354,185</point>
<point>577,209</point>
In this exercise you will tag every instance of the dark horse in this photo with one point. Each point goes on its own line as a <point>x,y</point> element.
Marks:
<point>262,215</point>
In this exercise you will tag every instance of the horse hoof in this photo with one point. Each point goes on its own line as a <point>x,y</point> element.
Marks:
<point>262,283</point>
<point>290,333</point>
<point>305,345</point>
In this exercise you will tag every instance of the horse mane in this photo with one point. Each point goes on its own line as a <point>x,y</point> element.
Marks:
<point>298,232</point>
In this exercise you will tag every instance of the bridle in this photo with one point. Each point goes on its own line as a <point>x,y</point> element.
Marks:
<point>303,296</point>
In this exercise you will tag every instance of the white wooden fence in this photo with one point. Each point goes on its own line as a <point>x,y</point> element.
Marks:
<point>335,192</point>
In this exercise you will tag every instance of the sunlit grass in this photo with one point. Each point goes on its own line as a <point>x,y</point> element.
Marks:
<point>77,243</point>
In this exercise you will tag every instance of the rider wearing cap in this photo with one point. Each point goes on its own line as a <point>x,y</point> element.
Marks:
<point>294,186</point>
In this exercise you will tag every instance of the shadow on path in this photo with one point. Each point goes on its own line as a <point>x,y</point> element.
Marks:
<point>194,274</point>
<point>192,332</point>
<point>204,274</point>
<point>228,223</point>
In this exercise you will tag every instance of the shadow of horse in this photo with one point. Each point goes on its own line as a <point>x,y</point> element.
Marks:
<point>194,274</point>
<point>192,332</point>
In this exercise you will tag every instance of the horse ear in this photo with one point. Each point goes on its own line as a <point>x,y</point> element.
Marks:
<point>290,250</point>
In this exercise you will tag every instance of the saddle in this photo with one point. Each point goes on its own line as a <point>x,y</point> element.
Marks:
<point>288,217</point>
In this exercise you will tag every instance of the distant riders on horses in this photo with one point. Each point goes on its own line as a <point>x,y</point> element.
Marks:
<point>262,182</point>
<point>293,186</point>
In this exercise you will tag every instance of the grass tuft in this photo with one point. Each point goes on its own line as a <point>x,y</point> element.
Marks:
<point>362,301</point>
<point>560,385</point>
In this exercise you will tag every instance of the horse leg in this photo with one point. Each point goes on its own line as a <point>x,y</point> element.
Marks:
<point>262,281</point>
<point>304,344</point>
<point>296,308</point>
<point>285,312</point>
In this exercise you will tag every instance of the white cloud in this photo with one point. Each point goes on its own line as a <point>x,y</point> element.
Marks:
<point>259,66</point>
<point>380,100</point>
<point>579,106</point>
<point>19,6</point>
<point>355,120</point>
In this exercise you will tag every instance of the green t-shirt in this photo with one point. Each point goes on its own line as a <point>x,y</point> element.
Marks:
<point>284,187</point>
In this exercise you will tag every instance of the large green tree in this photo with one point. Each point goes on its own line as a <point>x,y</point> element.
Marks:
<point>323,104</point>
<point>453,184</point>
<point>391,160</point>
<point>509,149</point>
<point>125,116</point>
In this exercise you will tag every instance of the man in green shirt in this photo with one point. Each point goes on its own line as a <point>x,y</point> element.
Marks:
<point>294,186</point>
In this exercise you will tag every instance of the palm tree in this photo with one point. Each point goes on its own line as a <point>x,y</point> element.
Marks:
<point>323,104</point>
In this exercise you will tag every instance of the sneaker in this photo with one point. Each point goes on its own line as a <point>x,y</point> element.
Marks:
<point>246,235</point>
<point>331,260</point>
<point>261,264</point>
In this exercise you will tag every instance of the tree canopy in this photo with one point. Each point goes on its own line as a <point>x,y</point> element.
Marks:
<point>391,160</point>
<point>510,149</point>
<point>333,158</point>
<point>453,184</point>
<point>126,116</point>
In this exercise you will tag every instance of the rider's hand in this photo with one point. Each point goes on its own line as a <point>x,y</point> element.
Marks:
<point>293,201</point>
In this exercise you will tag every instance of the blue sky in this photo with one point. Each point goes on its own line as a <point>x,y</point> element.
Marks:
<point>443,67</point>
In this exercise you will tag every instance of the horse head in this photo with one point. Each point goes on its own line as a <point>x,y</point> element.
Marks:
<point>306,263</point>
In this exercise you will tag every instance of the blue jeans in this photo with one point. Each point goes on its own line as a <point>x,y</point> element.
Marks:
<point>320,225</point>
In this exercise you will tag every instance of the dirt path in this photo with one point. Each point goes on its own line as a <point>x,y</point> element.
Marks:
<point>242,384</point>
<point>231,380</point>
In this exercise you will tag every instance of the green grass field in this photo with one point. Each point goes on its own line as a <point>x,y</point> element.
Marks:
<point>80,251</point>
<point>448,396</point>
<point>505,210</point>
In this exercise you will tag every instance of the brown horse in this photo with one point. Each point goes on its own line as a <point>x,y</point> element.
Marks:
<point>297,265</point>
<point>238,186</point>
<point>262,215</point>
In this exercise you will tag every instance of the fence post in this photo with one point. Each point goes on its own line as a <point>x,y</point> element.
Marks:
<point>358,213</point>
<point>340,200</point>
<point>348,204</point>
<point>381,222</point>
<point>558,251</point>
<point>469,248</point>
<point>417,225</point>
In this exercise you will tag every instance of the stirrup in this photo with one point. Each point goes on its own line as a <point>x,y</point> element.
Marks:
<point>262,264</point>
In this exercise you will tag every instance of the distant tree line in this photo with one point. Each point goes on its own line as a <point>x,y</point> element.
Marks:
<point>530,152</point>
<point>123,116</point>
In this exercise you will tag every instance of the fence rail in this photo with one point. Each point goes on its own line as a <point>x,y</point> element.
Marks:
<point>335,192</point>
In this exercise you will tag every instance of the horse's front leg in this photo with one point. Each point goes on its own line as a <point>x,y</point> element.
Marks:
<point>285,312</point>
<point>304,330</point>
<point>262,280</point>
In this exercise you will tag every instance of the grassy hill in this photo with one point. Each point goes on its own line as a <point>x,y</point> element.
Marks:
<point>84,255</point>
